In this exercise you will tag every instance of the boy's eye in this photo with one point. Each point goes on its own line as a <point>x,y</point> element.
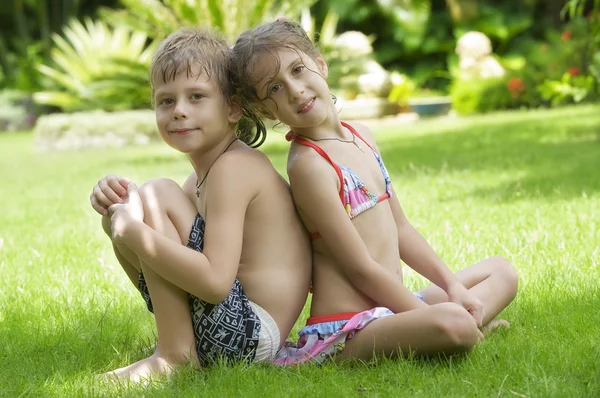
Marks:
<point>166,101</point>
<point>298,68</point>
<point>274,88</point>
<point>197,96</point>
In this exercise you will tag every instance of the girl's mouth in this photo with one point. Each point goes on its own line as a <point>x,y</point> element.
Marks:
<point>308,105</point>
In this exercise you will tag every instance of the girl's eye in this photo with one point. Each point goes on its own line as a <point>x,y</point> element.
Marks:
<point>274,88</point>
<point>197,96</point>
<point>298,68</point>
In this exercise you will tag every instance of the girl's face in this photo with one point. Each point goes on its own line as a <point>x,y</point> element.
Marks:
<point>297,94</point>
<point>191,112</point>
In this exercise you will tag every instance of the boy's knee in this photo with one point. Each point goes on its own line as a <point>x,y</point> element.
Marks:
<point>458,326</point>
<point>154,192</point>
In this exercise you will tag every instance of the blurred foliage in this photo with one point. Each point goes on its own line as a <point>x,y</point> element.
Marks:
<point>347,55</point>
<point>96,67</point>
<point>158,18</point>
<point>26,27</point>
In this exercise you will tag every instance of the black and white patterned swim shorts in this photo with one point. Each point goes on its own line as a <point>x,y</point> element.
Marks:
<point>226,331</point>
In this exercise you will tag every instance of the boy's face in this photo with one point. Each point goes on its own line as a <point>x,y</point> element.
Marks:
<point>298,95</point>
<point>192,113</point>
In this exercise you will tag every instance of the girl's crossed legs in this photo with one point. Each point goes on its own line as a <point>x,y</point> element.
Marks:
<point>444,327</point>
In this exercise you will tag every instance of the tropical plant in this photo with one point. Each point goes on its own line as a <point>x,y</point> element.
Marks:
<point>97,67</point>
<point>26,28</point>
<point>158,18</point>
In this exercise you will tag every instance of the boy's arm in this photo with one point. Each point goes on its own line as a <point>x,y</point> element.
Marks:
<point>313,183</point>
<point>208,275</point>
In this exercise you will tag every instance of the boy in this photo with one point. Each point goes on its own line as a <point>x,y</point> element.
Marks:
<point>224,261</point>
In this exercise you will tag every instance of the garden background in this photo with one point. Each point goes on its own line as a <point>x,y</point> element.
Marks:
<point>511,169</point>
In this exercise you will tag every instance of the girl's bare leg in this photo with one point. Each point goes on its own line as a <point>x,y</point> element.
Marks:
<point>444,328</point>
<point>494,281</point>
<point>168,211</point>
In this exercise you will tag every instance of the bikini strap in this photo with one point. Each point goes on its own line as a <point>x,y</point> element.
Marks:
<point>292,137</point>
<point>356,133</point>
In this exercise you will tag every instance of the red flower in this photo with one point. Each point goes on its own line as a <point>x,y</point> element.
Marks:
<point>574,71</point>
<point>566,35</point>
<point>516,87</point>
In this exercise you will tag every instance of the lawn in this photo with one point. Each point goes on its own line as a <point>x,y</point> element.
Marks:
<point>523,185</point>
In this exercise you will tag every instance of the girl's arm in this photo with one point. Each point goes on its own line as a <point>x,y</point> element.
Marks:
<point>417,253</point>
<point>208,275</point>
<point>315,190</point>
<point>414,249</point>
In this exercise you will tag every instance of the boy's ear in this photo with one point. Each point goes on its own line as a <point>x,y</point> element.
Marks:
<point>235,109</point>
<point>322,66</point>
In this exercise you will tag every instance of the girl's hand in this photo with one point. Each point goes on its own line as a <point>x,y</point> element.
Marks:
<point>108,191</point>
<point>123,214</point>
<point>460,295</point>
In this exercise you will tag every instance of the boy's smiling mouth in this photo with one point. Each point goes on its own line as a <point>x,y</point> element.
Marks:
<point>182,131</point>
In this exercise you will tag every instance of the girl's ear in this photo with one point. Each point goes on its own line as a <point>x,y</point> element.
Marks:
<point>235,109</point>
<point>322,66</point>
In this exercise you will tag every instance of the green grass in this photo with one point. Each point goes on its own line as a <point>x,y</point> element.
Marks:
<point>523,185</point>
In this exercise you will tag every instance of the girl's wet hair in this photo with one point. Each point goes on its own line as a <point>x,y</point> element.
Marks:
<point>189,48</point>
<point>265,40</point>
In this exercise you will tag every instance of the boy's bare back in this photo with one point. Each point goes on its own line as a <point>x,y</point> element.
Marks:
<point>275,263</point>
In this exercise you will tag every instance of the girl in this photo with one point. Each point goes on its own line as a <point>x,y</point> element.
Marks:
<point>359,232</point>
<point>224,261</point>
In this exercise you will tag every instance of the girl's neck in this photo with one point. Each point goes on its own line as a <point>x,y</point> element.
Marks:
<point>329,128</point>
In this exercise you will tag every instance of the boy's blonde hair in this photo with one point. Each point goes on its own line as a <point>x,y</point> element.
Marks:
<point>188,48</point>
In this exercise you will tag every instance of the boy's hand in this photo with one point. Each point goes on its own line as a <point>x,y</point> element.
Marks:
<point>460,295</point>
<point>123,214</point>
<point>109,190</point>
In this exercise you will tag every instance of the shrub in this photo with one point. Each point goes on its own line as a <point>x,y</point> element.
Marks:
<point>95,129</point>
<point>16,111</point>
<point>514,90</point>
<point>97,67</point>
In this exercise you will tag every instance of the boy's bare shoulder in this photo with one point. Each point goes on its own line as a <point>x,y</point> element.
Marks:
<point>244,165</point>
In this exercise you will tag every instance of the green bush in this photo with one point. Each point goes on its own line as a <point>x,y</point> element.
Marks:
<point>158,18</point>
<point>97,67</point>
<point>95,129</point>
<point>16,111</point>
<point>484,95</point>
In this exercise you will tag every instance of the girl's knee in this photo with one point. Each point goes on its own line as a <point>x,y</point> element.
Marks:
<point>457,326</point>
<point>507,272</point>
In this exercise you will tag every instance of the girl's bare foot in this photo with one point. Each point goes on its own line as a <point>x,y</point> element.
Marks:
<point>495,324</point>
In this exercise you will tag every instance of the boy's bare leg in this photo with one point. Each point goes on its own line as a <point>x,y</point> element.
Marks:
<point>128,259</point>
<point>168,211</point>
<point>494,281</point>
<point>444,328</point>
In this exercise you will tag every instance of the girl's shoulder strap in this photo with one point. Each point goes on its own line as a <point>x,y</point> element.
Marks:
<point>356,133</point>
<point>290,136</point>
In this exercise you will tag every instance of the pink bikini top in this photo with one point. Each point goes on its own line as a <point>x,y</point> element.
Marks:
<point>355,196</point>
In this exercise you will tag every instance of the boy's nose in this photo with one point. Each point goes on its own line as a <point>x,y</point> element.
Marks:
<point>179,112</point>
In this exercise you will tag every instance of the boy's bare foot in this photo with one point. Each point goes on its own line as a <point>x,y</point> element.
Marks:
<point>495,324</point>
<point>142,371</point>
